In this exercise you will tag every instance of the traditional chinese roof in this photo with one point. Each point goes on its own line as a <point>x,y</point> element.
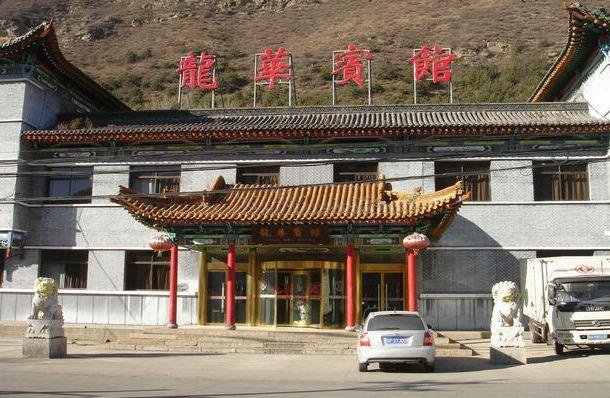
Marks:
<point>41,42</point>
<point>254,124</point>
<point>241,204</point>
<point>585,29</point>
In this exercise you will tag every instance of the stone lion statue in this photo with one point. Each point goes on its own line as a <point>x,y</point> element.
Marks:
<point>506,328</point>
<point>44,302</point>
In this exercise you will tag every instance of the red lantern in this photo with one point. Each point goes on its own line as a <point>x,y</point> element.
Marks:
<point>416,241</point>
<point>161,244</point>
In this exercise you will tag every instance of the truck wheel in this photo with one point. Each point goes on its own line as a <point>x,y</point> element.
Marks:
<point>558,348</point>
<point>534,331</point>
<point>363,367</point>
<point>548,339</point>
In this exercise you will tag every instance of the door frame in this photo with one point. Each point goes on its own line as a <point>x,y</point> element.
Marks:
<point>293,268</point>
<point>382,268</point>
<point>203,288</point>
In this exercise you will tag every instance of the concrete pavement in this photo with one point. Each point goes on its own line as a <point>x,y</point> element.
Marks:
<point>94,370</point>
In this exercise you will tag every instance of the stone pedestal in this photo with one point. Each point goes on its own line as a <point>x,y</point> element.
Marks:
<point>507,346</point>
<point>507,355</point>
<point>44,338</point>
<point>45,348</point>
<point>507,336</point>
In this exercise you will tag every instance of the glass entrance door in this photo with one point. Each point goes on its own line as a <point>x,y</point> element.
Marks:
<point>305,300</point>
<point>306,297</point>
<point>216,301</point>
<point>297,298</point>
<point>382,291</point>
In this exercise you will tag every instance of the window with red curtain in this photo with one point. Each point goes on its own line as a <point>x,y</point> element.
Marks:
<point>561,181</point>
<point>474,176</point>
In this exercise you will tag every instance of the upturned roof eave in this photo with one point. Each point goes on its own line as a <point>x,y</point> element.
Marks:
<point>366,203</point>
<point>572,52</point>
<point>51,55</point>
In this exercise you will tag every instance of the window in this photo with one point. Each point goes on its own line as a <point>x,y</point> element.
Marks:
<point>474,176</point>
<point>259,175</point>
<point>355,172</point>
<point>395,322</point>
<point>67,267</point>
<point>70,184</point>
<point>561,182</point>
<point>156,179</point>
<point>146,270</point>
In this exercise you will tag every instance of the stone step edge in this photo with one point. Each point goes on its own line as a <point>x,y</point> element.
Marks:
<point>258,350</point>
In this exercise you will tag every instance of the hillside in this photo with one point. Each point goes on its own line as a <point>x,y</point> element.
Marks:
<point>132,47</point>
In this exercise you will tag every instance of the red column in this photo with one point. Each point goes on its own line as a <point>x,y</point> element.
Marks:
<point>173,286</point>
<point>349,289</point>
<point>411,280</point>
<point>230,304</point>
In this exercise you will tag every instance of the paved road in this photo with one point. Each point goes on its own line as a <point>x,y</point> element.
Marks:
<point>92,371</point>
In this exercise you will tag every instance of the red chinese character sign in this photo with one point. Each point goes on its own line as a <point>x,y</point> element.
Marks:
<point>198,72</point>
<point>273,68</point>
<point>432,64</point>
<point>349,66</point>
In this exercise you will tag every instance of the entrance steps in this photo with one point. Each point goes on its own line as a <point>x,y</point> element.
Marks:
<point>212,340</point>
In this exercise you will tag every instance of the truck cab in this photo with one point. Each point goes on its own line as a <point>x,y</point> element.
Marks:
<point>567,300</point>
<point>580,311</point>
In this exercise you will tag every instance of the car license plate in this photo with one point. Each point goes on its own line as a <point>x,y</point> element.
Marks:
<point>395,340</point>
<point>596,337</point>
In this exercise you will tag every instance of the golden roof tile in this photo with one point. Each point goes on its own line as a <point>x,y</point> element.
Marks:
<point>240,204</point>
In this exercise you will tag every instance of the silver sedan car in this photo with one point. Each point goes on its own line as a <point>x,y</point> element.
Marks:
<point>394,337</point>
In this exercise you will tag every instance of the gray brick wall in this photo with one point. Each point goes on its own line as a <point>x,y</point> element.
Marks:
<point>409,175</point>
<point>511,181</point>
<point>106,270</point>
<point>468,271</point>
<point>41,107</point>
<point>12,96</point>
<point>304,175</point>
<point>106,181</point>
<point>21,269</point>
<point>198,177</point>
<point>542,225</point>
<point>599,180</point>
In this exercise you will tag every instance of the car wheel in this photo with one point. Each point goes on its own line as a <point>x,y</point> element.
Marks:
<point>363,367</point>
<point>429,367</point>
<point>558,348</point>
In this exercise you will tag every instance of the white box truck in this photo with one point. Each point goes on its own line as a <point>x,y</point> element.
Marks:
<point>567,300</point>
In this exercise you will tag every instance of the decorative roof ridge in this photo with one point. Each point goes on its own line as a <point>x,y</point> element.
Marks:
<point>151,119</point>
<point>340,109</point>
<point>219,190</point>
<point>595,17</point>
<point>451,192</point>
<point>579,17</point>
<point>34,33</point>
<point>380,184</point>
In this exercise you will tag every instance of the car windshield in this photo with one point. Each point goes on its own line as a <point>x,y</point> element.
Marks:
<point>395,322</point>
<point>570,292</point>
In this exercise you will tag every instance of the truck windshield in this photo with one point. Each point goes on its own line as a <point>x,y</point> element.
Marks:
<point>581,291</point>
